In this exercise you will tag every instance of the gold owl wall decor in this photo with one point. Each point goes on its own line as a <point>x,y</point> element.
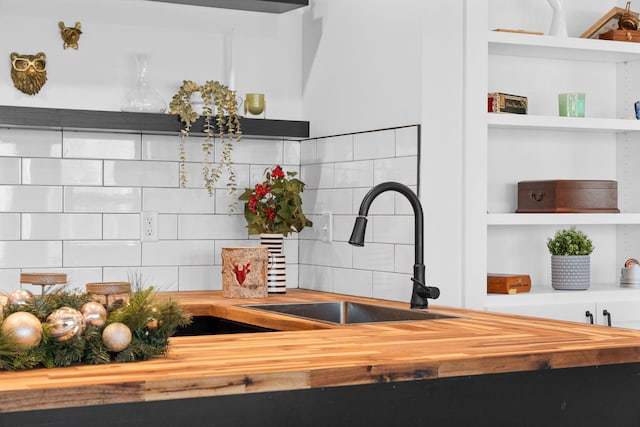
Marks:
<point>29,72</point>
<point>70,35</point>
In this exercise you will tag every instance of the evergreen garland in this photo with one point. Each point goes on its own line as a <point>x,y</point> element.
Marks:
<point>152,322</point>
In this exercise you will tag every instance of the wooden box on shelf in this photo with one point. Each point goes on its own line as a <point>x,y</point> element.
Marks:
<point>568,196</point>
<point>508,283</point>
<point>621,35</point>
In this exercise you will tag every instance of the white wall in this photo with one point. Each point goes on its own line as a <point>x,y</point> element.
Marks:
<point>376,64</point>
<point>185,42</point>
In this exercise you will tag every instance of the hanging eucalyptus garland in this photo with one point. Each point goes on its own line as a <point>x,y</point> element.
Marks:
<point>219,102</point>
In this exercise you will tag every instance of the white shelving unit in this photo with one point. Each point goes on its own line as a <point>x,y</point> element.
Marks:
<point>542,145</point>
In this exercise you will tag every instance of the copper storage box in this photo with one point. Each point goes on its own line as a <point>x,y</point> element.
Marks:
<point>566,196</point>
<point>508,283</point>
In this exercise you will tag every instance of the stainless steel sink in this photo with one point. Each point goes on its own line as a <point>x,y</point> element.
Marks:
<point>346,312</point>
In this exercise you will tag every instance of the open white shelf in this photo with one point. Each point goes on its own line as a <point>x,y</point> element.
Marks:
<point>569,48</point>
<point>540,294</point>
<point>582,124</point>
<point>563,219</point>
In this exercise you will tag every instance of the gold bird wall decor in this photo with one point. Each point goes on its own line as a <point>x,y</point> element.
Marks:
<point>70,35</point>
<point>29,72</point>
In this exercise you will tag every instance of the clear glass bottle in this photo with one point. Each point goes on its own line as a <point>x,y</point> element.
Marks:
<point>143,97</point>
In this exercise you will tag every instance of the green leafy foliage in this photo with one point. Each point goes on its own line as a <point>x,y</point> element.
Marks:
<point>275,205</point>
<point>570,242</point>
<point>219,103</point>
<point>151,319</point>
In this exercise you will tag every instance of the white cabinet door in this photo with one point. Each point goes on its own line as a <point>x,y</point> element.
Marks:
<point>573,312</point>
<point>623,314</point>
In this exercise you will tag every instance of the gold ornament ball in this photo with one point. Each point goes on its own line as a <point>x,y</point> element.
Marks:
<point>24,327</point>
<point>65,323</point>
<point>94,314</point>
<point>3,301</point>
<point>19,297</point>
<point>116,336</point>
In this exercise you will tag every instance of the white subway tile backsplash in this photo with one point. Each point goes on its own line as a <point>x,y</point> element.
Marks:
<point>178,252</point>
<point>318,176</point>
<point>96,145</point>
<point>338,201</point>
<point>337,254</point>
<point>125,173</point>
<point>30,143</point>
<point>9,226</point>
<point>79,211</point>
<point>26,254</point>
<point>343,226</point>
<point>407,141</point>
<point>399,169</point>
<point>392,286</point>
<point>403,206</point>
<point>121,226</point>
<point>178,200</point>
<point>168,227</point>
<point>353,282</point>
<point>354,174</point>
<point>374,145</point>
<point>9,280</point>
<point>252,151</point>
<point>308,152</point>
<point>164,279</point>
<point>384,204</point>
<point>17,198</point>
<point>195,179</point>
<point>166,147</point>
<point>59,226</point>
<point>61,172</point>
<point>393,229</point>
<point>404,259</point>
<point>77,278</point>
<point>292,273</point>
<point>211,227</point>
<point>9,170</point>
<point>227,203</point>
<point>374,256</point>
<point>315,277</point>
<point>200,278</point>
<point>290,248</point>
<point>291,155</point>
<point>102,199</point>
<point>101,253</point>
<point>335,149</point>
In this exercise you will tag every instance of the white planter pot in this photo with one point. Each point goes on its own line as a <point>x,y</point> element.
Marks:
<point>570,272</point>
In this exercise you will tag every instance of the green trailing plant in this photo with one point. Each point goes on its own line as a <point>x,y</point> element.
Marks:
<point>151,319</point>
<point>570,242</point>
<point>220,104</point>
<point>275,205</point>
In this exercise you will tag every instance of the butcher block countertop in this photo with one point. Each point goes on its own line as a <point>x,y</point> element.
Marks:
<point>308,354</point>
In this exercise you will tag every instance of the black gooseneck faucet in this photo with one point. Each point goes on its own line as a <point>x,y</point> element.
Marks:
<point>420,291</point>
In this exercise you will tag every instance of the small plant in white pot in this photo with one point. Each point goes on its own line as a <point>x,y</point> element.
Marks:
<point>570,259</point>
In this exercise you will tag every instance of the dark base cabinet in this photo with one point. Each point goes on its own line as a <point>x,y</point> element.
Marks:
<point>591,396</point>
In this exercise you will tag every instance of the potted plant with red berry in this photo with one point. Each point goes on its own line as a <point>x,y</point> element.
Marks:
<point>273,209</point>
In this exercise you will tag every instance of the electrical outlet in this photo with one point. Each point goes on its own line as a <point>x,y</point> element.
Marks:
<point>149,226</point>
<point>326,228</point>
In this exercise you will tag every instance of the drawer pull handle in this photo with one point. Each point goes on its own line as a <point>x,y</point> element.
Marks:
<point>606,314</point>
<point>537,196</point>
<point>590,316</point>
